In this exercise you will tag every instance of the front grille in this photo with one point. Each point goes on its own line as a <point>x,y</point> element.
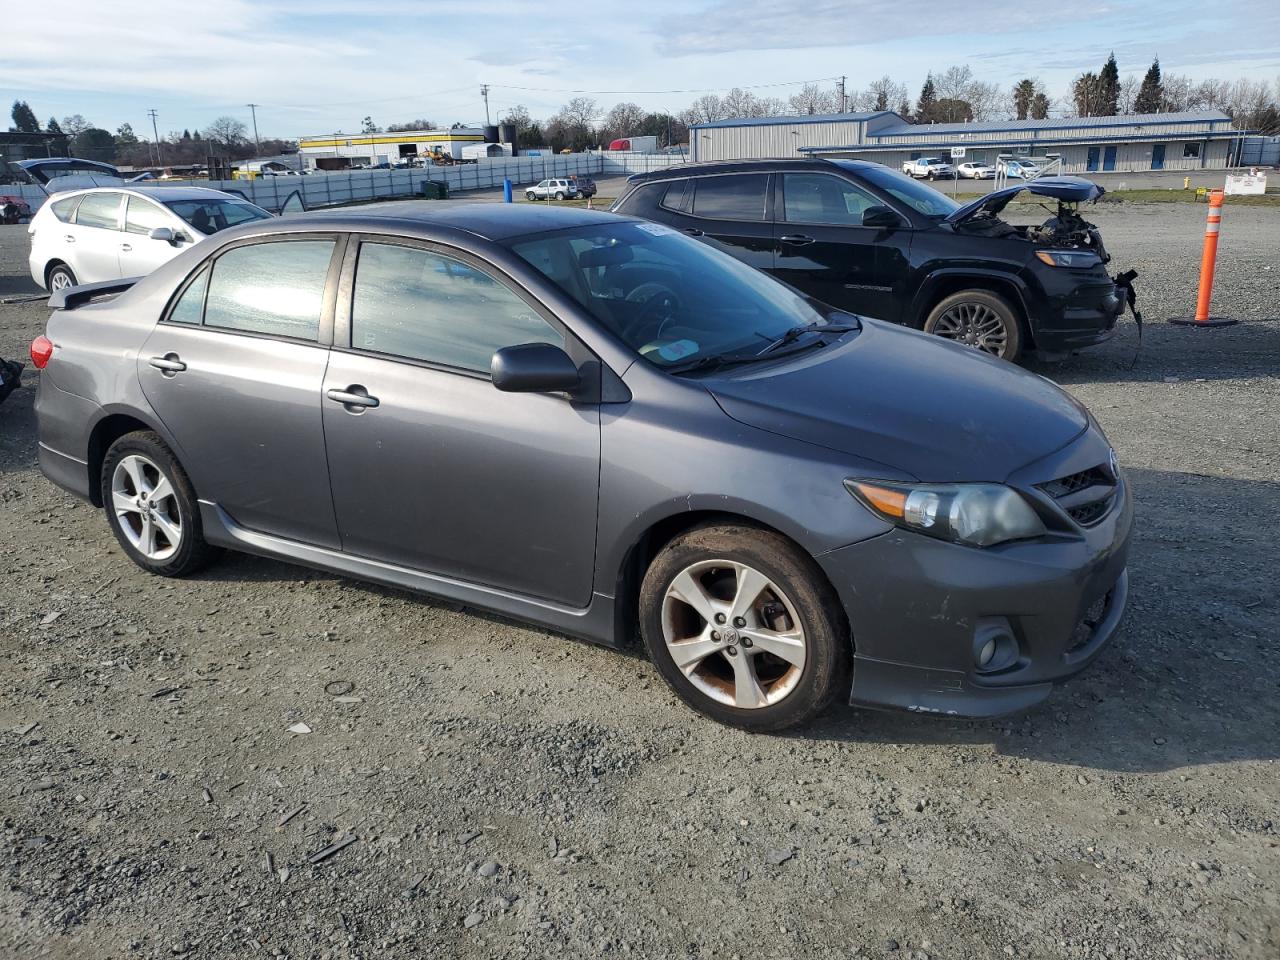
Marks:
<point>1085,496</point>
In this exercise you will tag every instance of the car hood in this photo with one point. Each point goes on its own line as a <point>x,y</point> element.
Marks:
<point>1070,189</point>
<point>936,410</point>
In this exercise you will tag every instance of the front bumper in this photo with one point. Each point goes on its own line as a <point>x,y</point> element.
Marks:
<point>918,608</point>
<point>1080,309</point>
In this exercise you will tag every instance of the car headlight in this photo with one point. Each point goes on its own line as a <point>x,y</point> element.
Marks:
<point>977,514</point>
<point>1068,258</point>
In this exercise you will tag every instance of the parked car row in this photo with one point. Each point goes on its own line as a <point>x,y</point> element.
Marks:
<point>789,502</point>
<point>932,168</point>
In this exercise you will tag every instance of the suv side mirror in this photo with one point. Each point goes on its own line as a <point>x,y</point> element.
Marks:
<point>534,368</point>
<point>162,233</point>
<point>881,216</point>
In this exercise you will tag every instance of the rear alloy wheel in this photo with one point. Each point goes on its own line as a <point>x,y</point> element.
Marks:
<point>559,194</point>
<point>743,627</point>
<point>531,195</point>
<point>151,506</point>
<point>61,277</point>
<point>979,319</point>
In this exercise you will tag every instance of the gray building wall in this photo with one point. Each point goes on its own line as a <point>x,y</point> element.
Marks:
<point>1130,157</point>
<point>782,136</point>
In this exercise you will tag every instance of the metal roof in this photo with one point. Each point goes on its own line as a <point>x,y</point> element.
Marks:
<point>942,145</point>
<point>787,121</point>
<point>1059,123</point>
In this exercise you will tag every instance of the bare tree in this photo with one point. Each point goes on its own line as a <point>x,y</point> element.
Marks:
<point>706,109</point>
<point>419,124</point>
<point>75,124</point>
<point>1127,97</point>
<point>226,130</point>
<point>953,83</point>
<point>813,99</point>
<point>580,111</point>
<point>883,94</point>
<point>623,119</point>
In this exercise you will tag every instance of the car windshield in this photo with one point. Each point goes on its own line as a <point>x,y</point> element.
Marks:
<point>212,215</point>
<point>919,197</point>
<point>672,299</point>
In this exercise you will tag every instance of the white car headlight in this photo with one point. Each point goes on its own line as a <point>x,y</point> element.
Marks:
<point>977,514</point>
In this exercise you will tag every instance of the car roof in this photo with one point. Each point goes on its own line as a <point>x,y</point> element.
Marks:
<point>487,220</point>
<point>167,193</point>
<point>762,165</point>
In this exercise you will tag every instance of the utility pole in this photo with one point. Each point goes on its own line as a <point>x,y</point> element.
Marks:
<point>156,131</point>
<point>484,92</point>
<point>253,108</point>
<point>843,102</point>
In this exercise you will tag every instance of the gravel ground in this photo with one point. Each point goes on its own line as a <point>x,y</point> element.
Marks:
<point>513,793</point>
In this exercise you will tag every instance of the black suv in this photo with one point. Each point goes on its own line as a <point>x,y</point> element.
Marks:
<point>867,239</point>
<point>586,186</point>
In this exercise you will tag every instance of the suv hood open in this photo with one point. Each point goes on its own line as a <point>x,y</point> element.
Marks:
<point>937,410</point>
<point>1066,189</point>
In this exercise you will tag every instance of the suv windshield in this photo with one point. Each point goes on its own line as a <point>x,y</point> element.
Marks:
<point>919,197</point>
<point>672,299</point>
<point>210,216</point>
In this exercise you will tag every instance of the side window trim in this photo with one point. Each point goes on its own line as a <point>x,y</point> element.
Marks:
<point>324,333</point>
<point>342,328</point>
<point>205,270</point>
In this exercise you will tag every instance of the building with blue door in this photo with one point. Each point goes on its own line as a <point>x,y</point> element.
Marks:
<point>1198,140</point>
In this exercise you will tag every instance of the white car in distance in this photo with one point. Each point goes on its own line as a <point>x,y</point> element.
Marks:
<point>555,189</point>
<point>975,171</point>
<point>106,233</point>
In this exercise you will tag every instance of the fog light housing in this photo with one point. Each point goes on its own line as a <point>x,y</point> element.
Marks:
<point>995,648</point>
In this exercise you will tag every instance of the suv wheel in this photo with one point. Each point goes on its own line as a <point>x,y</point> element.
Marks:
<point>980,319</point>
<point>743,627</point>
<point>530,195</point>
<point>151,506</point>
<point>559,194</point>
<point>61,277</point>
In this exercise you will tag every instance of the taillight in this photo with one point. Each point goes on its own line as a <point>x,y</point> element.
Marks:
<point>41,351</point>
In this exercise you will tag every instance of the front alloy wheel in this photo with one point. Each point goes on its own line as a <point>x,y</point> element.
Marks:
<point>744,627</point>
<point>979,319</point>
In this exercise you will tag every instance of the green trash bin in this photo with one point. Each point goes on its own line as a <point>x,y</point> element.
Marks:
<point>435,190</point>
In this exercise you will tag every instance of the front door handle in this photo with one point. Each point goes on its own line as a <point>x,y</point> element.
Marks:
<point>693,231</point>
<point>796,239</point>
<point>69,238</point>
<point>168,365</point>
<point>125,247</point>
<point>354,399</point>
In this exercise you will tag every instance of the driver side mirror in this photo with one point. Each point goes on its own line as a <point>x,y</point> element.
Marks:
<point>165,234</point>
<point>534,368</point>
<point>882,216</point>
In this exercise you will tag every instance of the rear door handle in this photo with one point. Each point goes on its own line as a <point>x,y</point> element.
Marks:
<point>69,238</point>
<point>355,396</point>
<point>693,231</point>
<point>125,247</point>
<point>168,365</point>
<point>796,239</point>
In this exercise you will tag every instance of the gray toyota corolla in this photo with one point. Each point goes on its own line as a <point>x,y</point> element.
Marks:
<point>594,423</point>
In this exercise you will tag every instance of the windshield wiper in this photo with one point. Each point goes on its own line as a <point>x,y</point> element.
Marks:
<point>711,361</point>
<point>795,333</point>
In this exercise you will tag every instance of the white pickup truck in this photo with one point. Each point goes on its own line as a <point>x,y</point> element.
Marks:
<point>930,167</point>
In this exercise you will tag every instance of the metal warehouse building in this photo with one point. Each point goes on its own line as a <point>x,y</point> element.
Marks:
<point>1154,141</point>
<point>336,151</point>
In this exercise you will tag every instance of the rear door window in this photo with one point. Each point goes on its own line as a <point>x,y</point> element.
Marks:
<point>737,197</point>
<point>272,289</point>
<point>420,305</point>
<point>99,210</point>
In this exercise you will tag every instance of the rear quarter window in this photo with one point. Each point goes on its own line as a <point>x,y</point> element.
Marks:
<point>65,208</point>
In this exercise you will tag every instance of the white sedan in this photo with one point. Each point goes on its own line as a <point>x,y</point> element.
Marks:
<point>976,171</point>
<point>86,236</point>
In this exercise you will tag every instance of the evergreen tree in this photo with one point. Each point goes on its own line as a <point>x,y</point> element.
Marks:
<point>1109,88</point>
<point>24,118</point>
<point>926,106</point>
<point>186,134</point>
<point>53,125</point>
<point>1150,97</point>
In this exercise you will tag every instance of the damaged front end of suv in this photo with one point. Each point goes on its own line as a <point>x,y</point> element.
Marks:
<point>1068,257</point>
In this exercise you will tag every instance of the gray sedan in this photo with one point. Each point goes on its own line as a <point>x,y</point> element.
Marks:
<point>596,424</point>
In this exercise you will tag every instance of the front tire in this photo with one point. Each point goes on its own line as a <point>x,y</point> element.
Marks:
<point>531,195</point>
<point>744,628</point>
<point>980,319</point>
<point>559,195</point>
<point>152,507</point>
<point>61,277</point>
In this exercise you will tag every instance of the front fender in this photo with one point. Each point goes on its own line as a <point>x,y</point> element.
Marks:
<point>932,282</point>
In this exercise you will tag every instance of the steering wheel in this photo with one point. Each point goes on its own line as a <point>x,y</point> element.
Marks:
<point>660,305</point>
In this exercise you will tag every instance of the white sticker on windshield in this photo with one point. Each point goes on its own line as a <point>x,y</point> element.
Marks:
<point>657,229</point>
<point>677,349</point>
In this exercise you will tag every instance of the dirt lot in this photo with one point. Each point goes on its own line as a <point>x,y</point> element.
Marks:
<point>516,794</point>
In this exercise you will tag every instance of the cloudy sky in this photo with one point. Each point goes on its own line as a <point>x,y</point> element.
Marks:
<point>316,66</point>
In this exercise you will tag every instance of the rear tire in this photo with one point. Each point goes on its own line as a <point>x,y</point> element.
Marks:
<point>776,665</point>
<point>61,277</point>
<point>531,195</point>
<point>151,506</point>
<point>980,319</point>
<point>559,195</point>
